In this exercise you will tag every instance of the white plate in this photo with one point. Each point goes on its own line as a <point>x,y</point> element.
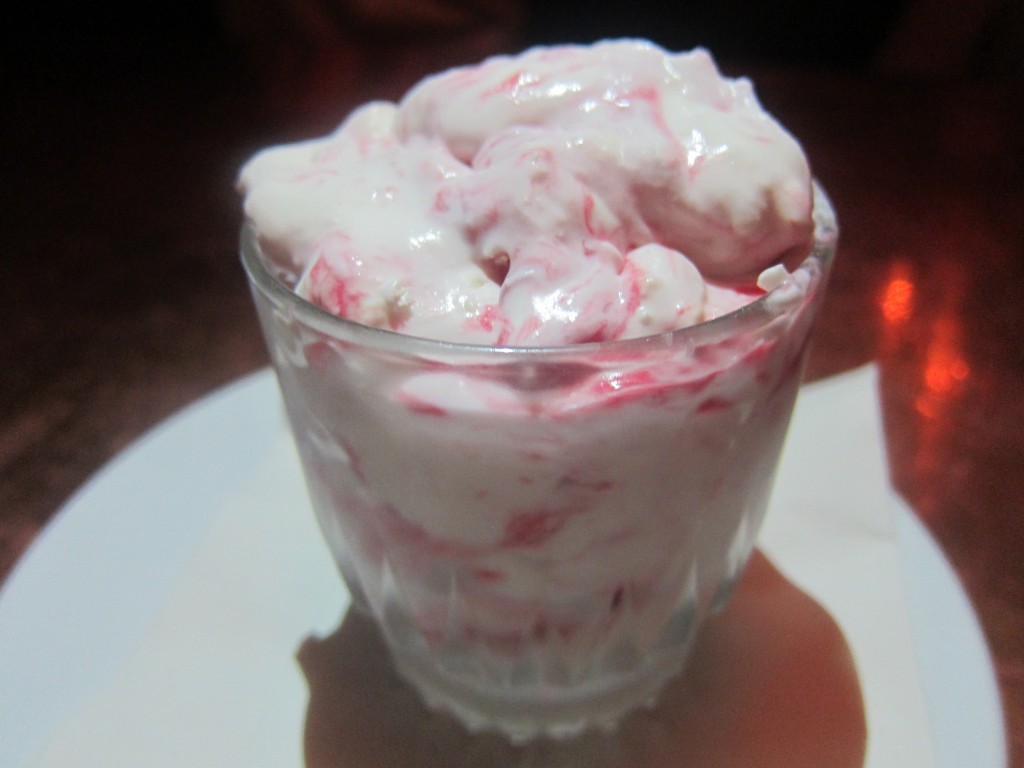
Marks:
<point>88,591</point>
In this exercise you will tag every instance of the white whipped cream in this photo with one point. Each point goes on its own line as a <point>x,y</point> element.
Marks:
<point>566,195</point>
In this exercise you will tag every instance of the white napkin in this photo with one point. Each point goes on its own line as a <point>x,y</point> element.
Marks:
<point>214,681</point>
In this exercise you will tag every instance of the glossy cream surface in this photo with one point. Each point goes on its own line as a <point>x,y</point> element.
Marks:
<point>566,195</point>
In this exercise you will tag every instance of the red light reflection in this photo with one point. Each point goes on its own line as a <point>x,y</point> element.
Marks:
<point>898,296</point>
<point>945,370</point>
<point>924,343</point>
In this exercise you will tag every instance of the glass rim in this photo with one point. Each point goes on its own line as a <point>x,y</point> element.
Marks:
<point>760,311</point>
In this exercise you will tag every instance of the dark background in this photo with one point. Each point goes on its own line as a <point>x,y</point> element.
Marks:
<point>119,33</point>
<point>77,41</point>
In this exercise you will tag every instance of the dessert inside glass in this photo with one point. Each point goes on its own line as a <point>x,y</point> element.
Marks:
<point>539,328</point>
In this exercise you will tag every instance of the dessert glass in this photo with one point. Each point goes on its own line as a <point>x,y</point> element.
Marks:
<point>539,532</point>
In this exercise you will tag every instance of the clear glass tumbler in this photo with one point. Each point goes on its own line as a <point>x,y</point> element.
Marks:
<point>539,532</point>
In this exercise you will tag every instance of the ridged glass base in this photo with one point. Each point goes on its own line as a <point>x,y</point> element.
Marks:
<point>542,693</point>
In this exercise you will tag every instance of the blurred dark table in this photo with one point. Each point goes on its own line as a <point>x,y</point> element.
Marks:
<point>123,299</point>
